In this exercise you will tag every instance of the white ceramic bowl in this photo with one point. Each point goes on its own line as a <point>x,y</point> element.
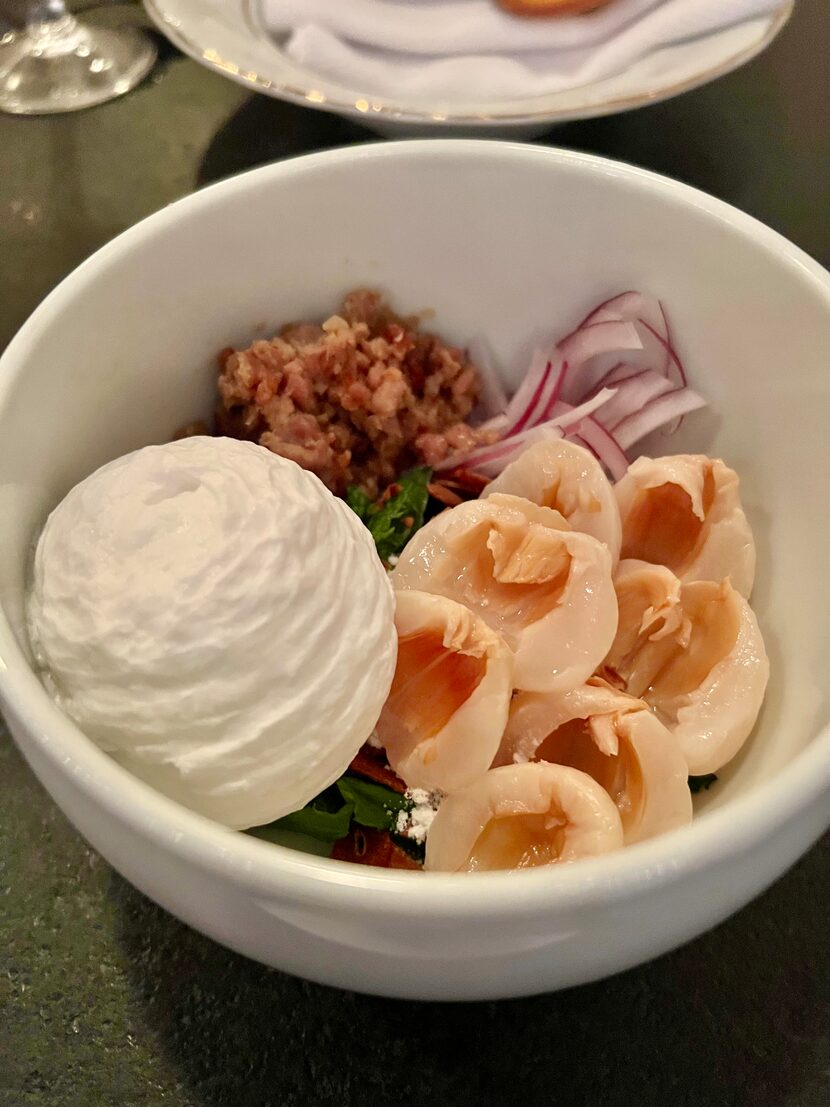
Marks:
<point>501,240</point>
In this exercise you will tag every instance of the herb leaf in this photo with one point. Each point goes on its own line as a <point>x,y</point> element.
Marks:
<point>393,523</point>
<point>701,783</point>
<point>328,817</point>
<point>313,820</point>
<point>359,502</point>
<point>374,806</point>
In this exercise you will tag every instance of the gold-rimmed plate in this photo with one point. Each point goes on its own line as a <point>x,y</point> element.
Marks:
<point>230,37</point>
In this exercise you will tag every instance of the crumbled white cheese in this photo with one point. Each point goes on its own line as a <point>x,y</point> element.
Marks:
<point>374,741</point>
<point>416,819</point>
<point>392,560</point>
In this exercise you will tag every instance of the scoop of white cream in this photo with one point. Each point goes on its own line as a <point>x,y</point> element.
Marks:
<point>215,619</point>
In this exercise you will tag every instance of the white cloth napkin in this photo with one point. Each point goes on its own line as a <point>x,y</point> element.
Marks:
<point>472,49</point>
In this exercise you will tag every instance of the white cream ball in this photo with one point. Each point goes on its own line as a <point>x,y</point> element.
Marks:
<point>220,623</point>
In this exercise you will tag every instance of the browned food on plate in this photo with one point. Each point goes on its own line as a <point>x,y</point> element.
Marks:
<point>551,7</point>
<point>444,493</point>
<point>459,485</point>
<point>371,763</point>
<point>356,400</point>
<point>363,846</point>
<point>471,482</point>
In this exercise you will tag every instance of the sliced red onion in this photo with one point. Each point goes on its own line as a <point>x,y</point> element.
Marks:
<point>577,424</point>
<point>674,369</point>
<point>523,398</point>
<point>591,351</point>
<point>660,411</point>
<point>490,460</point>
<point>632,393</point>
<point>498,425</point>
<point>614,379</point>
<point>569,415</point>
<point>629,307</point>
<point>578,440</point>
<point>565,417</point>
<point>547,373</point>
<point>491,467</point>
<point>541,370</point>
<point>553,388</point>
<point>603,445</point>
<point>482,456</point>
<point>621,373</point>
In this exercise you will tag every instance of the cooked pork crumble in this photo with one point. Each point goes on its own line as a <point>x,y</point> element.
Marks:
<point>356,400</point>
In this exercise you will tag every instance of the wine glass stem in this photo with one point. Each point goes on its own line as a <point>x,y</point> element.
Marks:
<point>46,11</point>
<point>52,30</point>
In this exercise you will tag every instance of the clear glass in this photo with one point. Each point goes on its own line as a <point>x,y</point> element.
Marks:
<point>59,63</point>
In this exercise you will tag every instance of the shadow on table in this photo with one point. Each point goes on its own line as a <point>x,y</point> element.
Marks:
<point>685,139</point>
<point>264,130</point>
<point>735,1018</point>
<point>688,139</point>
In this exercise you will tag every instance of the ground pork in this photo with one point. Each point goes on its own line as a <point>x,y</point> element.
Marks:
<point>356,400</point>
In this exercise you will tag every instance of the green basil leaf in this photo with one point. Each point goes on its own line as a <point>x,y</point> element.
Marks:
<point>328,817</point>
<point>359,502</point>
<point>394,523</point>
<point>374,806</point>
<point>325,826</point>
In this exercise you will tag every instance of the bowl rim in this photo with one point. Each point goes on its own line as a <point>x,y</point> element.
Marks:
<point>271,870</point>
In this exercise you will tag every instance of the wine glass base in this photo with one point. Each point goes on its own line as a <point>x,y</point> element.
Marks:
<point>83,67</point>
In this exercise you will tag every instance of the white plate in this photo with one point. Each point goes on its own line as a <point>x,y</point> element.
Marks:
<point>229,36</point>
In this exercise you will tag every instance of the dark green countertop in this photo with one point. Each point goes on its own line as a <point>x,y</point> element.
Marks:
<point>104,998</point>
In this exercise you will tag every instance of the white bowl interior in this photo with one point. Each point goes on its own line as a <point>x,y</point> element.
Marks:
<point>504,243</point>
